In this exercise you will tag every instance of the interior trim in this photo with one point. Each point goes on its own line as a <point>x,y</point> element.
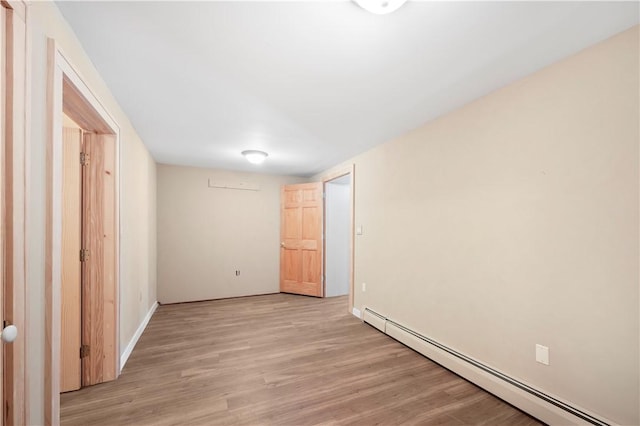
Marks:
<point>124,357</point>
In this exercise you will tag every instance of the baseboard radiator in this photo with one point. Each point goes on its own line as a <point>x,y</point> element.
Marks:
<point>533,401</point>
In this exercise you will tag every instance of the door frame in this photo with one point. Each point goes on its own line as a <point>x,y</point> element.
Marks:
<point>14,166</point>
<point>349,170</point>
<point>77,97</point>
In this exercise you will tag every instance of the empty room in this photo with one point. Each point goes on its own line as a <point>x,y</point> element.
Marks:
<point>348,212</point>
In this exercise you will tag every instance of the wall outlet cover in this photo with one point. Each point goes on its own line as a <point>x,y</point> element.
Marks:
<point>542,354</point>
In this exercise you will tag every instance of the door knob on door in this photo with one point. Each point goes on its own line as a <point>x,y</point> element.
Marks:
<point>282,244</point>
<point>9,333</point>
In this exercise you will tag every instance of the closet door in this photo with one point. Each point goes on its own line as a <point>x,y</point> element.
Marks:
<point>99,265</point>
<point>70,339</point>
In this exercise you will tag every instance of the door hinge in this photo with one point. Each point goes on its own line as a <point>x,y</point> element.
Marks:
<point>84,158</point>
<point>84,351</point>
<point>84,255</point>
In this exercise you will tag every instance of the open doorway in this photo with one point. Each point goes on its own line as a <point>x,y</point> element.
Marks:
<point>338,235</point>
<point>317,237</point>
<point>88,254</point>
<point>81,310</point>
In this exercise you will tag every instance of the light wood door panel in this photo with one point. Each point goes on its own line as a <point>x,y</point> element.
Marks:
<point>3,143</point>
<point>311,223</point>
<point>301,239</point>
<point>14,124</point>
<point>98,271</point>
<point>292,216</point>
<point>71,297</point>
<point>292,267</point>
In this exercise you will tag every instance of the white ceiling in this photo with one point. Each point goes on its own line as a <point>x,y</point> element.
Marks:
<point>314,83</point>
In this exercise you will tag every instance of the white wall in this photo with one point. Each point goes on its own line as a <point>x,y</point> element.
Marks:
<point>137,202</point>
<point>205,234</point>
<point>514,220</point>
<point>337,236</point>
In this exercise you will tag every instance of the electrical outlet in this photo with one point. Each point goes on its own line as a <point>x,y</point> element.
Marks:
<point>542,354</point>
<point>364,287</point>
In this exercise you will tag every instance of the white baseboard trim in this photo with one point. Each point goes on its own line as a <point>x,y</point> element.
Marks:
<point>132,343</point>
<point>356,313</point>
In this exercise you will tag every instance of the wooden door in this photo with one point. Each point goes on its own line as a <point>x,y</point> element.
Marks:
<point>13,125</point>
<point>301,239</point>
<point>3,123</point>
<point>99,265</point>
<point>71,337</point>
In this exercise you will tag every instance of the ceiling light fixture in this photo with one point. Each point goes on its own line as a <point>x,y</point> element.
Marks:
<point>380,7</point>
<point>255,157</point>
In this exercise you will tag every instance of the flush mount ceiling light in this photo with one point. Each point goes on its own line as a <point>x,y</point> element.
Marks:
<point>255,157</point>
<point>380,7</point>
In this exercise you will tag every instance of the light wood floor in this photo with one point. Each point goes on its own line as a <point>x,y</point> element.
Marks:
<point>279,359</point>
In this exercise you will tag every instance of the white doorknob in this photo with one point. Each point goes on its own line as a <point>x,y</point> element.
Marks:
<point>9,333</point>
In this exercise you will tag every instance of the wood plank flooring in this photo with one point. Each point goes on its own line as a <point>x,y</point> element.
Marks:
<point>283,360</point>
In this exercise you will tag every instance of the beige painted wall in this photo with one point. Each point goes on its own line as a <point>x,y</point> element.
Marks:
<point>206,234</point>
<point>514,221</point>
<point>137,192</point>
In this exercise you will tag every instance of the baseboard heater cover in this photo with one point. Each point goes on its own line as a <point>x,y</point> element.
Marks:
<point>521,395</point>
